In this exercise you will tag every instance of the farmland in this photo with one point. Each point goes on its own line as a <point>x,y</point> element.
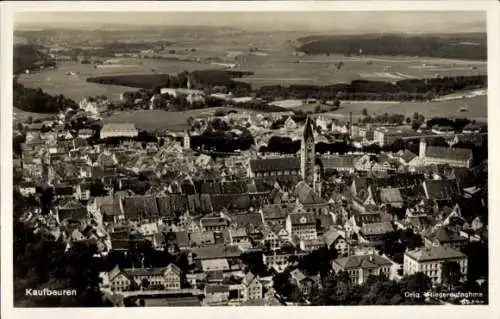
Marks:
<point>59,81</point>
<point>477,108</point>
<point>273,60</point>
<point>151,120</point>
<point>321,70</point>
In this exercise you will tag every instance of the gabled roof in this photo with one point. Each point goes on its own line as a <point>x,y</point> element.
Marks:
<point>307,195</point>
<point>331,236</point>
<point>298,275</point>
<point>275,164</point>
<point>248,219</point>
<point>407,156</point>
<point>390,195</point>
<point>249,278</point>
<point>202,238</point>
<point>441,189</point>
<point>136,207</point>
<point>367,218</point>
<point>434,253</point>
<point>331,162</point>
<point>445,235</point>
<point>213,221</point>
<point>456,154</point>
<point>362,261</point>
<point>377,228</point>
<point>277,211</point>
<point>216,252</point>
<point>302,219</point>
<point>214,289</point>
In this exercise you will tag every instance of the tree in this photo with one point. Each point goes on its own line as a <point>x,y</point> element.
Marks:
<point>317,109</point>
<point>365,112</point>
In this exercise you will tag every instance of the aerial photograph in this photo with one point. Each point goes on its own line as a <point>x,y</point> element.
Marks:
<point>166,159</point>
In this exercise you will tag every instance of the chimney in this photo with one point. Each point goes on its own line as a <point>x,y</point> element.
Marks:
<point>422,148</point>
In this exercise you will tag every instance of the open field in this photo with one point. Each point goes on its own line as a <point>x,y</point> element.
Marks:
<point>283,68</point>
<point>151,120</point>
<point>23,115</point>
<point>478,109</point>
<point>273,63</point>
<point>57,81</point>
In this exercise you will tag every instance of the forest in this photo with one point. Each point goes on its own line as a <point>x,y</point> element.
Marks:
<point>455,47</point>
<point>29,57</point>
<point>36,100</point>
<point>200,79</point>
<point>404,90</point>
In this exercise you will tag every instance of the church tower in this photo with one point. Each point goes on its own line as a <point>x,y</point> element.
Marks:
<point>187,139</point>
<point>307,154</point>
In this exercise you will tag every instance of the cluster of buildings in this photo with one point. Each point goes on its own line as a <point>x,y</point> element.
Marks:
<point>279,208</point>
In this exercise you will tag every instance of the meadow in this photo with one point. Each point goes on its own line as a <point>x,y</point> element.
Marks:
<point>274,63</point>
<point>59,81</point>
<point>151,120</point>
<point>477,105</point>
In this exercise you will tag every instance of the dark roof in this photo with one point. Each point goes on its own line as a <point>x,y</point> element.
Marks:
<point>302,218</point>
<point>213,221</point>
<point>62,190</point>
<point>367,218</point>
<point>332,162</point>
<point>362,261</point>
<point>248,219</point>
<point>72,211</point>
<point>407,156</point>
<point>188,188</point>
<point>137,207</point>
<point>308,129</point>
<point>275,164</point>
<point>277,211</point>
<point>237,201</point>
<point>213,289</point>
<point>476,139</point>
<point>445,235</point>
<point>307,195</point>
<point>441,189</point>
<point>182,238</point>
<point>457,154</point>
<point>164,206</point>
<point>216,252</point>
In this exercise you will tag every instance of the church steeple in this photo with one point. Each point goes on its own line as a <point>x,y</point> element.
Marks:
<point>308,130</point>
<point>307,153</point>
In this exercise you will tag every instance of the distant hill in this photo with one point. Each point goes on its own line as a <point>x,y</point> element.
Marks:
<point>28,56</point>
<point>454,46</point>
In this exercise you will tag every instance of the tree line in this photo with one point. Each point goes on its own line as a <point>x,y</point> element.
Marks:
<point>38,101</point>
<point>403,90</point>
<point>431,46</point>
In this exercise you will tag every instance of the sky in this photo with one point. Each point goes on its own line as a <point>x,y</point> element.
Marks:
<point>346,22</point>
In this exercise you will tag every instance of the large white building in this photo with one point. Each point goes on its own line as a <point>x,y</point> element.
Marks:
<point>457,157</point>
<point>430,260</point>
<point>119,130</point>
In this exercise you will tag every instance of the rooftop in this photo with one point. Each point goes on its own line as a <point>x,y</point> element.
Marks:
<point>434,253</point>
<point>362,261</point>
<point>456,154</point>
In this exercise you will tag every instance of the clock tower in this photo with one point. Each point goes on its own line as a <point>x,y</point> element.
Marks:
<point>307,153</point>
